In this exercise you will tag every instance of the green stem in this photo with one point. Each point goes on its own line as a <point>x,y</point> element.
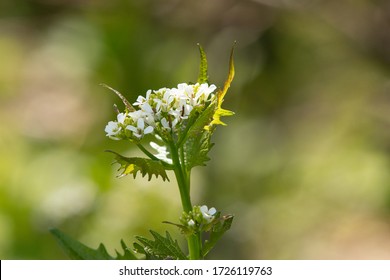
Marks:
<point>183,180</point>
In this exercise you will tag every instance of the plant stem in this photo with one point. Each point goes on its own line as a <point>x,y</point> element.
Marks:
<point>183,180</point>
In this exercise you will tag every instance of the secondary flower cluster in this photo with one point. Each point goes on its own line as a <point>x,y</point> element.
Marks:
<point>199,219</point>
<point>160,111</point>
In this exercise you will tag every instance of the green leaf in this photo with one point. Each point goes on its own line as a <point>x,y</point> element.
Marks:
<point>78,251</point>
<point>144,166</point>
<point>161,248</point>
<point>220,226</point>
<point>127,255</point>
<point>196,150</point>
<point>197,140</point>
<point>203,76</point>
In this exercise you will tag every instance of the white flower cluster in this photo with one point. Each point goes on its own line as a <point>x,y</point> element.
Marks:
<point>206,215</point>
<point>199,218</point>
<point>160,111</point>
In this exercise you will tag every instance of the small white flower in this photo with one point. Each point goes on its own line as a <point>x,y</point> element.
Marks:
<point>188,90</point>
<point>112,129</point>
<point>140,130</point>
<point>203,93</point>
<point>191,223</point>
<point>142,100</point>
<point>208,214</point>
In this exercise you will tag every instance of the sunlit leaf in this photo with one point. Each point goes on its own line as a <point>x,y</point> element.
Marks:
<point>77,251</point>
<point>161,248</point>
<point>145,166</point>
<point>219,111</point>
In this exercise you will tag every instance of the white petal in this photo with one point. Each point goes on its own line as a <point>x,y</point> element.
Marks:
<point>165,123</point>
<point>203,209</point>
<point>147,108</point>
<point>158,104</point>
<point>149,119</point>
<point>148,130</point>
<point>212,211</point>
<point>135,115</point>
<point>132,128</point>
<point>211,88</point>
<point>175,121</point>
<point>140,100</point>
<point>121,117</point>
<point>141,123</point>
<point>148,94</point>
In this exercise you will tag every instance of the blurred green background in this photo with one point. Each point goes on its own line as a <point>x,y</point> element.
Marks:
<point>304,164</point>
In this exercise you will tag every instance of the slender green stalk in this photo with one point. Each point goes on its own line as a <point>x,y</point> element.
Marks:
<point>183,180</point>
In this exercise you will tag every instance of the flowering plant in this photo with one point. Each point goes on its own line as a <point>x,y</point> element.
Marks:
<point>180,121</point>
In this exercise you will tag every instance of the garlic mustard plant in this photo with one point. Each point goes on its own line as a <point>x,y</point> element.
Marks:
<point>173,128</point>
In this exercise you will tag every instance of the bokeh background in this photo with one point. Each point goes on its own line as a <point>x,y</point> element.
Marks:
<point>303,165</point>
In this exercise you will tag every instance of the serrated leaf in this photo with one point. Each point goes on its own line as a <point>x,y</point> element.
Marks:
<point>127,255</point>
<point>220,112</point>
<point>145,166</point>
<point>222,225</point>
<point>78,251</point>
<point>161,248</point>
<point>203,76</point>
<point>196,150</point>
<point>197,141</point>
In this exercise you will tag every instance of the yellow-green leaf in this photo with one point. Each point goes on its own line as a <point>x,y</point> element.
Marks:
<point>219,111</point>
